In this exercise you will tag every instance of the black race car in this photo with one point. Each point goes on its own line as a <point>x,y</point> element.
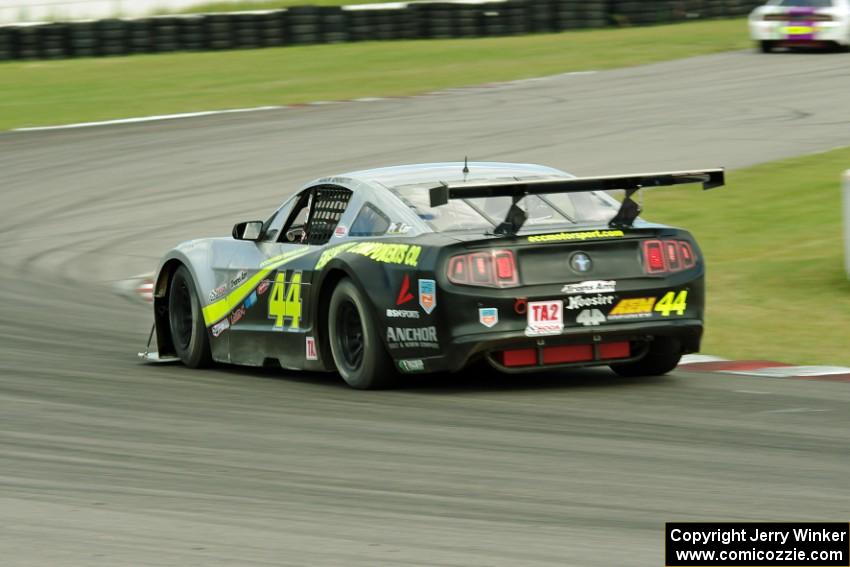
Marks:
<point>434,267</point>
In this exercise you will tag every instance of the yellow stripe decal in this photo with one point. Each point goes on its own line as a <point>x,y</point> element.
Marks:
<point>215,312</point>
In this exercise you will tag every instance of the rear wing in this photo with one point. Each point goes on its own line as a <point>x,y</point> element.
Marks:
<point>629,210</point>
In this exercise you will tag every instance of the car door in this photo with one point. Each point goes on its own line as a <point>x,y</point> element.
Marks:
<point>275,321</point>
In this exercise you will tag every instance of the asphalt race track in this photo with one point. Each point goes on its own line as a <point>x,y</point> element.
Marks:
<point>105,461</point>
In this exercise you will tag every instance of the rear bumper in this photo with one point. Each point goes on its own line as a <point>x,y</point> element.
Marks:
<point>466,349</point>
<point>822,32</point>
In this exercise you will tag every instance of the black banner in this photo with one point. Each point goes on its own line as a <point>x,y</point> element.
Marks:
<point>757,544</point>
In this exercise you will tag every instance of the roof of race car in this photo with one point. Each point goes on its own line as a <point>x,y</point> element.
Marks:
<point>433,173</point>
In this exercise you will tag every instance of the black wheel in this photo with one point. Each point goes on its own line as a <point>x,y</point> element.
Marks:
<point>355,338</point>
<point>766,46</point>
<point>663,356</point>
<point>188,333</point>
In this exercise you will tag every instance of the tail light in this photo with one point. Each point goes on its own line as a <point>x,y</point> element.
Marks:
<point>664,256</point>
<point>495,268</point>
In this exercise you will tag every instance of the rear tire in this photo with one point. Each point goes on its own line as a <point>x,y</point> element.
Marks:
<point>766,46</point>
<point>186,321</point>
<point>356,345</point>
<point>663,356</point>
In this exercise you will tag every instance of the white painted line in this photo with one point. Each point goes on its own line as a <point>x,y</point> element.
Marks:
<point>792,371</point>
<point>147,119</point>
<point>695,358</point>
<point>795,410</point>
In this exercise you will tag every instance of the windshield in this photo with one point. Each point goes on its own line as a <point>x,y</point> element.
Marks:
<point>488,212</point>
<point>802,3</point>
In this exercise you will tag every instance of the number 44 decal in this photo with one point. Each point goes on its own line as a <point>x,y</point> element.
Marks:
<point>285,301</point>
<point>673,302</point>
<point>590,317</point>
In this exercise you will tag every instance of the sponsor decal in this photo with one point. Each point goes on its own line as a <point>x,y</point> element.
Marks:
<point>406,337</point>
<point>488,316</point>
<point>633,308</point>
<point>413,365</point>
<point>581,301</point>
<point>571,236</point>
<point>402,314</point>
<point>588,287</point>
<point>310,344</point>
<point>581,262</point>
<point>238,279</point>
<point>218,293</point>
<point>251,300</point>
<point>404,294</point>
<point>428,295</point>
<point>237,314</point>
<point>590,317</point>
<point>398,228</point>
<point>263,287</point>
<point>545,318</point>
<point>285,301</point>
<point>340,231</point>
<point>673,302</point>
<point>220,327</point>
<point>401,254</point>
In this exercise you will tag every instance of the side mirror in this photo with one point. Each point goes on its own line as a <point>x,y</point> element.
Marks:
<point>249,230</point>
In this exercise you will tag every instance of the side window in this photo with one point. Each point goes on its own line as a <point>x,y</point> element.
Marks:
<point>369,222</point>
<point>329,203</point>
<point>294,230</point>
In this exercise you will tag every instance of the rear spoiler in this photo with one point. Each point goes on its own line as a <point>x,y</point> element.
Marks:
<point>629,210</point>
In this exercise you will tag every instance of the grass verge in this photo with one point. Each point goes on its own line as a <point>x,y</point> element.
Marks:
<point>773,241</point>
<point>79,90</point>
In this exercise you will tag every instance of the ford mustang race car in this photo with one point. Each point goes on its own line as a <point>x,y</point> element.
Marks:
<point>437,267</point>
<point>801,23</point>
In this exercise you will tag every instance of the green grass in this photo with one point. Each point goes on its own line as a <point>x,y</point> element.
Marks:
<point>773,242</point>
<point>266,5</point>
<point>58,92</point>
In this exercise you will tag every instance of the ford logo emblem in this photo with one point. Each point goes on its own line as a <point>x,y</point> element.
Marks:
<point>581,262</point>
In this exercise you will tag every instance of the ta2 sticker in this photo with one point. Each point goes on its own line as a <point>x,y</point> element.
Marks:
<point>545,318</point>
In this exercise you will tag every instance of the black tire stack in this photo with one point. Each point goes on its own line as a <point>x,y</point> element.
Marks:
<point>303,25</point>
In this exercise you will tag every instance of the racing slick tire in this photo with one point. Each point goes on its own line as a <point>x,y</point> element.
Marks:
<point>766,46</point>
<point>663,356</point>
<point>356,345</point>
<point>186,321</point>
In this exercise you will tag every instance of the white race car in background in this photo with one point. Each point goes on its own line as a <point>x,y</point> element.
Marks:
<point>801,23</point>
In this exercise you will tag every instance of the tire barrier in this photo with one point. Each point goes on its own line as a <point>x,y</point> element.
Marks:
<point>304,25</point>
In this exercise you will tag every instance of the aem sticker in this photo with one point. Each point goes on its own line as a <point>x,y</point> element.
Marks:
<point>633,308</point>
<point>488,316</point>
<point>428,295</point>
<point>545,318</point>
<point>572,236</point>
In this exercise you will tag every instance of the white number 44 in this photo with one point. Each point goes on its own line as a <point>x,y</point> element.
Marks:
<point>590,317</point>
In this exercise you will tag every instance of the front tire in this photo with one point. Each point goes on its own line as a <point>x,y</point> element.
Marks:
<point>186,321</point>
<point>355,339</point>
<point>766,46</point>
<point>663,356</point>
